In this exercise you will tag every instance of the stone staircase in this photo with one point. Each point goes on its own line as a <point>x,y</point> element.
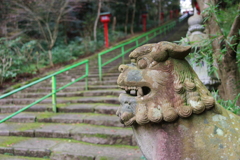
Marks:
<point>85,127</point>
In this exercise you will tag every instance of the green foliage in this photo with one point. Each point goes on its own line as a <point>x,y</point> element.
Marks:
<point>224,18</point>
<point>230,105</point>
<point>204,53</point>
<point>6,61</point>
<point>61,54</point>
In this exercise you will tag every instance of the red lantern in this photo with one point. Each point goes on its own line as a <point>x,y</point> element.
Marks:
<point>105,19</point>
<point>144,22</point>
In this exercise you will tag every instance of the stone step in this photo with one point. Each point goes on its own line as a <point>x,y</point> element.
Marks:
<point>81,132</point>
<point>92,73</point>
<point>91,81</point>
<point>102,108</point>
<point>91,76</point>
<point>48,117</point>
<point>62,149</point>
<point>80,83</point>
<point>68,94</point>
<point>72,88</point>
<point>11,157</point>
<point>102,93</point>
<point>67,100</point>
<point>42,94</point>
<point>36,108</point>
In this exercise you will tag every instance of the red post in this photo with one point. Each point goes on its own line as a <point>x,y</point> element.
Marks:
<point>144,22</point>
<point>105,19</point>
<point>162,16</point>
<point>177,13</point>
<point>171,14</point>
<point>105,26</point>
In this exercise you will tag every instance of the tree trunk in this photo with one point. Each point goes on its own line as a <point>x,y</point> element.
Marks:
<point>3,29</point>
<point>114,24</point>
<point>159,12</point>
<point>96,21</point>
<point>133,16</point>
<point>50,57</point>
<point>126,19</point>
<point>227,65</point>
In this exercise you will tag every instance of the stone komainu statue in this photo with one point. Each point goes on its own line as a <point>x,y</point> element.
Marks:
<point>162,91</point>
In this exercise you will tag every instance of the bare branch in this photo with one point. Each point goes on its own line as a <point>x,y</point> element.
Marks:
<point>235,27</point>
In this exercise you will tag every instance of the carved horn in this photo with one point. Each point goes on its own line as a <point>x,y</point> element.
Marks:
<point>174,50</point>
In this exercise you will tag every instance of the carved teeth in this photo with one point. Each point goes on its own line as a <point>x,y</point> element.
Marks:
<point>140,92</point>
<point>136,91</point>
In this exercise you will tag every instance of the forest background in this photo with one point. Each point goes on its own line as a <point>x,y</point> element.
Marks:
<point>40,34</point>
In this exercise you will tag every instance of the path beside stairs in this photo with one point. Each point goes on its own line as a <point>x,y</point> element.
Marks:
<point>85,127</point>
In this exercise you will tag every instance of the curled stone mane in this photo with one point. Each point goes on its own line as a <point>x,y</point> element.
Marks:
<point>165,85</point>
<point>190,95</point>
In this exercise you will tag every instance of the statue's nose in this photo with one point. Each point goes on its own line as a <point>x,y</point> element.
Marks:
<point>122,68</point>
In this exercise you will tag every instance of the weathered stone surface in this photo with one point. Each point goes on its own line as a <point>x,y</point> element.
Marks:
<point>66,156</point>
<point>98,138</point>
<point>207,136</point>
<point>81,108</point>
<point>4,150</point>
<point>21,151</point>
<point>98,151</point>
<point>10,157</point>
<point>61,134</point>
<point>112,100</point>
<point>102,93</point>
<point>103,109</point>
<point>102,120</point>
<point>39,152</point>
<point>4,133</point>
<point>173,114</point>
<point>54,131</point>
<point>44,133</point>
<point>27,133</point>
<point>40,147</point>
<point>68,118</point>
<point>22,117</point>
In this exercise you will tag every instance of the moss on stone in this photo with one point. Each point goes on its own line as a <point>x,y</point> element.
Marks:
<point>6,156</point>
<point>47,115</point>
<point>62,105</point>
<point>30,126</point>
<point>9,141</point>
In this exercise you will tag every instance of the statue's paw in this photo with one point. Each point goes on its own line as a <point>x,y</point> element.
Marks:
<point>127,118</point>
<point>130,121</point>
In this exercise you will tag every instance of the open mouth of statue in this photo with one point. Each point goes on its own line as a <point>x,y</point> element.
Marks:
<point>137,91</point>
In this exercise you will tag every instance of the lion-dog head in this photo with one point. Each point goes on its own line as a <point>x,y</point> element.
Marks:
<point>160,85</point>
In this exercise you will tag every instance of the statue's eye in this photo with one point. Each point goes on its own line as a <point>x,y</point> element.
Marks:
<point>142,63</point>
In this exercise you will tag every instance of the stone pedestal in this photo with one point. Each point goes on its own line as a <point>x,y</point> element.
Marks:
<point>208,136</point>
<point>197,38</point>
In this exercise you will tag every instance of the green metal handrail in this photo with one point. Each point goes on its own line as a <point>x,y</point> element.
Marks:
<point>156,31</point>
<point>54,88</point>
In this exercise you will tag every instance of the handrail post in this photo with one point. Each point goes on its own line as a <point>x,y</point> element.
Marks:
<point>87,73</point>
<point>122,50</point>
<point>54,97</point>
<point>100,67</point>
<point>137,43</point>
